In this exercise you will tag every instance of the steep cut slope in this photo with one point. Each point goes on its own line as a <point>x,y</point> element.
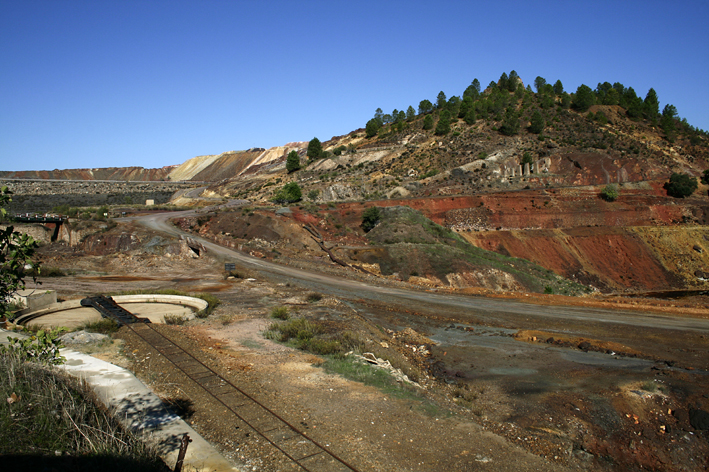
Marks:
<point>188,169</point>
<point>228,165</point>
<point>632,259</point>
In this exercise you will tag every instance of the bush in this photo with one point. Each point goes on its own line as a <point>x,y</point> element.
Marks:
<point>610,193</point>
<point>370,218</point>
<point>681,185</point>
<point>103,326</point>
<point>280,312</point>
<point>42,348</point>
<point>175,320</point>
<point>290,193</point>
<point>705,177</point>
<point>313,297</point>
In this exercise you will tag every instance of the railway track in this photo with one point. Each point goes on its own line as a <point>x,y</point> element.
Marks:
<point>300,451</point>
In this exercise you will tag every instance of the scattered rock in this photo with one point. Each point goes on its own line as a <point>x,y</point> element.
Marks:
<point>82,337</point>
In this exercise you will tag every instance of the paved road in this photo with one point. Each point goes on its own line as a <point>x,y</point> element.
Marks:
<point>492,309</point>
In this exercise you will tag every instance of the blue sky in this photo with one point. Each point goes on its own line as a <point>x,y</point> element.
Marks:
<point>154,83</point>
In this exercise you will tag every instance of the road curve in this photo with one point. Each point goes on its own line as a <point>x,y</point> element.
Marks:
<point>489,308</point>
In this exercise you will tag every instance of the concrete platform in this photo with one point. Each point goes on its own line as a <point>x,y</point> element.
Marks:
<point>72,315</point>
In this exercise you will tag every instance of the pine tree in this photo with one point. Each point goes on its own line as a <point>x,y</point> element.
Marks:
<point>583,99</point>
<point>443,126</point>
<point>410,113</point>
<point>314,149</point>
<point>292,162</point>
<point>441,100</point>
<point>651,105</point>
<point>539,83</point>
<point>536,123</point>
<point>558,87</point>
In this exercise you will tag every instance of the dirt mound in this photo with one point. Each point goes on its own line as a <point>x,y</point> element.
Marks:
<point>410,245</point>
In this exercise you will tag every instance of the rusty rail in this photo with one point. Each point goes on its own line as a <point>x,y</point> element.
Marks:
<point>294,444</point>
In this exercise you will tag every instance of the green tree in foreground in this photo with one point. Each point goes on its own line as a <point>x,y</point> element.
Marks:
<point>16,250</point>
<point>292,162</point>
<point>370,218</point>
<point>314,149</point>
<point>289,193</point>
<point>681,185</point>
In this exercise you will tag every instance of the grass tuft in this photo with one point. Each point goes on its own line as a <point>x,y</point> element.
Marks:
<point>280,312</point>
<point>103,326</point>
<point>175,320</point>
<point>54,422</point>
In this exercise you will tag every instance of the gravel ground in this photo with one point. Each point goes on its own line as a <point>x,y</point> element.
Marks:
<point>491,400</point>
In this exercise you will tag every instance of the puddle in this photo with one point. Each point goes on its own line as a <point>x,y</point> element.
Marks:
<point>600,359</point>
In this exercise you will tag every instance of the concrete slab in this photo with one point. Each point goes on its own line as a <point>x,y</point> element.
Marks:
<point>137,407</point>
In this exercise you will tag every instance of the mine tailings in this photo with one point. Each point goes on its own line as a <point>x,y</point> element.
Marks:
<point>644,241</point>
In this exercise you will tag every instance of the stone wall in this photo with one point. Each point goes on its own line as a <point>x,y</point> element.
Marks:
<point>40,196</point>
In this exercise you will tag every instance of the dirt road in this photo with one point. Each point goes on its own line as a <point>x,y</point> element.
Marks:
<point>474,309</point>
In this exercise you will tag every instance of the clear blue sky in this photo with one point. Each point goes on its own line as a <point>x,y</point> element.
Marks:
<point>104,83</point>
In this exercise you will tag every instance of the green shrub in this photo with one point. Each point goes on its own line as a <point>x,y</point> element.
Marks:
<point>175,320</point>
<point>289,193</point>
<point>610,193</point>
<point>42,348</point>
<point>324,347</point>
<point>280,312</point>
<point>313,297</point>
<point>681,185</point>
<point>103,326</point>
<point>548,290</point>
<point>370,218</point>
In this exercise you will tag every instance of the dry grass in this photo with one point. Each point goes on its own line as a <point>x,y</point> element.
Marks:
<point>52,421</point>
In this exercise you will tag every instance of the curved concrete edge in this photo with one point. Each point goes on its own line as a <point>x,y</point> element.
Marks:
<point>139,409</point>
<point>192,302</point>
<point>27,315</point>
<point>197,303</point>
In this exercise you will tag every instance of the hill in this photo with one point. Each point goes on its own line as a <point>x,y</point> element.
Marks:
<point>509,170</point>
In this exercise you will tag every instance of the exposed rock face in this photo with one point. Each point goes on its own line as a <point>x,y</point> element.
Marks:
<point>339,192</point>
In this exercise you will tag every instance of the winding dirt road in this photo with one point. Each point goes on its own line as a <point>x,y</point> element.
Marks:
<point>490,311</point>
